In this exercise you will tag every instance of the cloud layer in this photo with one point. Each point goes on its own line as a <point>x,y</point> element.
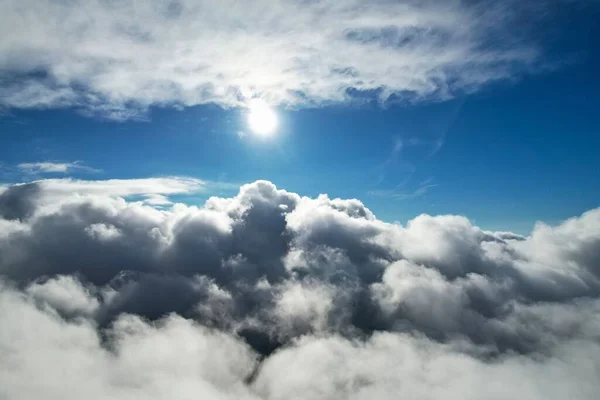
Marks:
<point>270,295</point>
<point>116,58</point>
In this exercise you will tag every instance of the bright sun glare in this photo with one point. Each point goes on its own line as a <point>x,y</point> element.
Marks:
<point>262,119</point>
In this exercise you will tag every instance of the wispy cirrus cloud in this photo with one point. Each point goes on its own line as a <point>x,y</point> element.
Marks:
<point>399,194</point>
<point>55,167</point>
<point>116,58</point>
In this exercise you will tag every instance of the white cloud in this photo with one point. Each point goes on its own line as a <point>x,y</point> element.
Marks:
<point>103,232</point>
<point>52,194</point>
<point>303,307</point>
<point>65,294</point>
<point>157,200</point>
<point>54,167</point>
<point>116,58</point>
<point>178,359</point>
<point>153,189</point>
<point>175,359</point>
<point>270,295</point>
<point>399,195</point>
<point>391,366</point>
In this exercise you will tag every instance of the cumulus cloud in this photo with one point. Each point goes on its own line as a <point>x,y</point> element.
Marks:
<point>64,294</point>
<point>116,58</point>
<point>271,295</point>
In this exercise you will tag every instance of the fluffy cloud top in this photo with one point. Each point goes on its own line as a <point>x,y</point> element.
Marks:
<point>117,57</point>
<point>270,295</point>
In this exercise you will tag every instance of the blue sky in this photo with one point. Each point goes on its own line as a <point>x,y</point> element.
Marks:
<point>504,153</point>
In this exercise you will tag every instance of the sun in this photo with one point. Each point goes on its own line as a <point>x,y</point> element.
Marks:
<point>262,119</point>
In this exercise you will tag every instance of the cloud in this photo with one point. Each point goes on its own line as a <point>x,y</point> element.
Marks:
<point>389,366</point>
<point>121,187</point>
<point>398,194</point>
<point>269,295</point>
<point>157,200</point>
<point>395,194</point>
<point>177,358</point>
<point>48,167</point>
<point>117,58</point>
<point>64,293</point>
<point>18,201</point>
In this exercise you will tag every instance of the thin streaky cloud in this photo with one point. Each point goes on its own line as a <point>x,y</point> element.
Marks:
<point>398,195</point>
<point>55,167</point>
<point>156,191</point>
<point>383,168</point>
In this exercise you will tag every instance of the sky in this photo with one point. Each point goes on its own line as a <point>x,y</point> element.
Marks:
<point>299,199</point>
<point>517,146</point>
